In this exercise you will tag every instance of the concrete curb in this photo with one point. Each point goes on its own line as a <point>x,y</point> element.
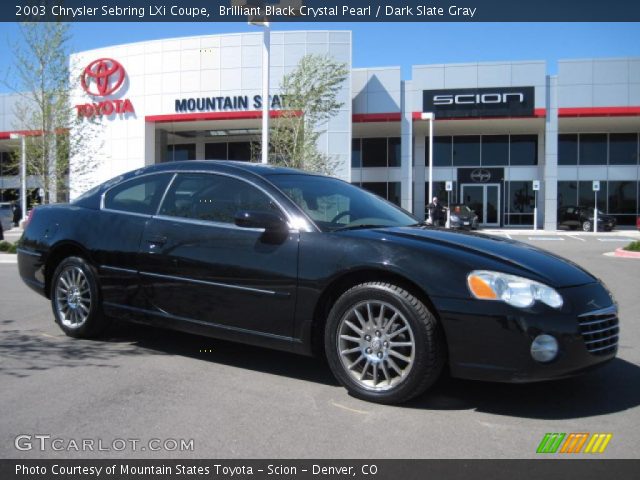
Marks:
<point>626,254</point>
<point>8,258</point>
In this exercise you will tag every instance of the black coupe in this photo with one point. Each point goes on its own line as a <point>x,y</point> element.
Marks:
<point>311,264</point>
<point>574,217</point>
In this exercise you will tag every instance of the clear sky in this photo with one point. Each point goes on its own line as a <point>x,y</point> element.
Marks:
<point>391,44</point>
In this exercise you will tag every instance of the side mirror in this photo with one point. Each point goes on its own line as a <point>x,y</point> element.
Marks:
<point>270,221</point>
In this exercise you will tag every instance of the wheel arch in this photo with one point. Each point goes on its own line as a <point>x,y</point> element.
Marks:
<point>59,252</point>
<point>350,279</point>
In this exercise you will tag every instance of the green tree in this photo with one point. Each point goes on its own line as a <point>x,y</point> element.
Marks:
<point>42,78</point>
<point>309,96</point>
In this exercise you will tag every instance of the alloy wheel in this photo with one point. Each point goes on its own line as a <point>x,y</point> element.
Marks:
<point>376,345</point>
<point>73,297</point>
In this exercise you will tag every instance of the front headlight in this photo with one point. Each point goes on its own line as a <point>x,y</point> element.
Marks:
<point>455,218</point>
<point>517,291</point>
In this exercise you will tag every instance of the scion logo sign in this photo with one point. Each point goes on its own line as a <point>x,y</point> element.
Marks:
<point>480,175</point>
<point>480,102</point>
<point>102,78</point>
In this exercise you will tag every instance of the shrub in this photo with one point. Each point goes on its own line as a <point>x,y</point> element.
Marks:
<point>4,246</point>
<point>633,246</point>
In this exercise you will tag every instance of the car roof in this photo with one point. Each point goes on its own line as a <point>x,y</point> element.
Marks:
<point>215,165</point>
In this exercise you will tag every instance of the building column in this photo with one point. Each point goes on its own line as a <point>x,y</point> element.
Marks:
<point>155,144</point>
<point>550,185</point>
<point>406,154</point>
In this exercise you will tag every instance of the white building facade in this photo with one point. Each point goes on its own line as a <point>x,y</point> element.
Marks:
<point>499,126</point>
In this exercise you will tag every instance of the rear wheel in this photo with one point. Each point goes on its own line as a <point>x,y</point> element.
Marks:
<point>75,299</point>
<point>383,344</point>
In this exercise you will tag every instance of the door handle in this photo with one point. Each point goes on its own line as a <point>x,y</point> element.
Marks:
<point>158,240</point>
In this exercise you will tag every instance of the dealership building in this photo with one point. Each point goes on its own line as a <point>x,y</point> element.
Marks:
<point>499,129</point>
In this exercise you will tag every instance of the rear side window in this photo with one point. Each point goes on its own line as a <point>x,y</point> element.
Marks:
<point>215,198</point>
<point>141,195</point>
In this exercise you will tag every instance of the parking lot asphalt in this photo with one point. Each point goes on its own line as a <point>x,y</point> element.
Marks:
<point>237,401</point>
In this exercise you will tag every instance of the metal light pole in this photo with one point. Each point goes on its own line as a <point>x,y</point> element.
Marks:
<point>23,171</point>
<point>266,45</point>
<point>430,116</point>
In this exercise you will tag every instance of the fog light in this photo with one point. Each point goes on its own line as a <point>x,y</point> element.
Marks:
<point>544,348</point>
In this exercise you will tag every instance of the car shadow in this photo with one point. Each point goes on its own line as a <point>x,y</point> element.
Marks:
<point>222,352</point>
<point>613,388</point>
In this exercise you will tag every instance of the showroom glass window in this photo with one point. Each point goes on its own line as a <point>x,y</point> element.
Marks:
<point>568,149</point>
<point>215,151</point>
<point>180,152</point>
<point>623,201</point>
<point>376,152</point>
<point>356,153</point>
<point>442,151</point>
<point>466,150</point>
<point>586,195</point>
<point>393,151</point>
<point>567,193</point>
<point>523,150</point>
<point>593,149</point>
<point>495,150</point>
<point>520,203</point>
<point>140,195</point>
<point>623,149</point>
<point>214,198</point>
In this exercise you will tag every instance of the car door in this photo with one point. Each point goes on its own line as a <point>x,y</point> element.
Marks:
<point>196,265</point>
<point>115,234</point>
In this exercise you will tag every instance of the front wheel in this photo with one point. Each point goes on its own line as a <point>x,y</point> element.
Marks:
<point>383,344</point>
<point>586,226</point>
<point>75,299</point>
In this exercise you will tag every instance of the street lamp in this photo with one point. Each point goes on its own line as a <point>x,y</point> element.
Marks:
<point>23,171</point>
<point>430,116</point>
<point>266,45</point>
<point>262,21</point>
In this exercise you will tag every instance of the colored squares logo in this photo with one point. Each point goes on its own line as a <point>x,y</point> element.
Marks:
<point>574,443</point>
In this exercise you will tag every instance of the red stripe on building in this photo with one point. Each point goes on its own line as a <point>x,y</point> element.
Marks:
<point>190,117</point>
<point>26,133</point>
<point>599,112</point>
<point>376,117</point>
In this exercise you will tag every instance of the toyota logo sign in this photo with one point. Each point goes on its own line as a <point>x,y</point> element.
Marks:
<point>480,175</point>
<point>102,77</point>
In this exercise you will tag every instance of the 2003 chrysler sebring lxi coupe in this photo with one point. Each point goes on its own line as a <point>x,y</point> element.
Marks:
<point>306,263</point>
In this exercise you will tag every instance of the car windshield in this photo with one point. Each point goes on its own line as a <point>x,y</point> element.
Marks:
<point>336,205</point>
<point>460,210</point>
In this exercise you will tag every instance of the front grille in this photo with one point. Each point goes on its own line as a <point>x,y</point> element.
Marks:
<point>600,331</point>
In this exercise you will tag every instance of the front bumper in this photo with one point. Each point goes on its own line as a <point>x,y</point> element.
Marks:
<point>490,340</point>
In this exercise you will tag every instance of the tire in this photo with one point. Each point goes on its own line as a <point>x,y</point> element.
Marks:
<point>586,226</point>
<point>75,299</point>
<point>383,344</point>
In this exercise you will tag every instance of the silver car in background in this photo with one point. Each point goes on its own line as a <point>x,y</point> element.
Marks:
<point>6,216</point>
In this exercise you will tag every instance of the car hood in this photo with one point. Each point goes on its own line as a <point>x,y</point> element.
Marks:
<point>519,258</point>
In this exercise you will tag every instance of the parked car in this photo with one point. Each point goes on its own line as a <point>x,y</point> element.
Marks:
<point>575,217</point>
<point>310,264</point>
<point>6,216</point>
<point>461,216</point>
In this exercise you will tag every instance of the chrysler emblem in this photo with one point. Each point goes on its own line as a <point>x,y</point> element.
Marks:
<point>480,175</point>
